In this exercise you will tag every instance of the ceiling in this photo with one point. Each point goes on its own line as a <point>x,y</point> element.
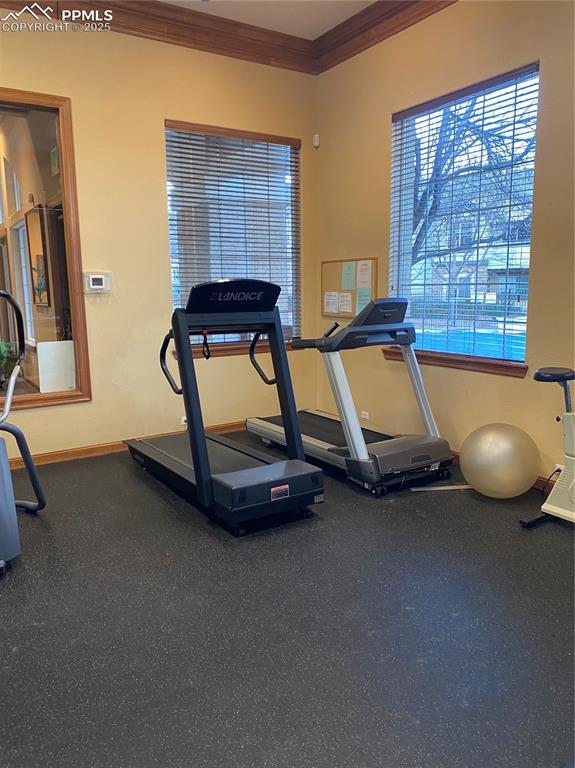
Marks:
<point>304,18</point>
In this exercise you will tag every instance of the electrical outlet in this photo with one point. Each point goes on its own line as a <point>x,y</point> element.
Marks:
<point>183,421</point>
<point>364,415</point>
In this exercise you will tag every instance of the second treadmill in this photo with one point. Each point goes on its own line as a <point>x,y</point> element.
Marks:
<point>375,460</point>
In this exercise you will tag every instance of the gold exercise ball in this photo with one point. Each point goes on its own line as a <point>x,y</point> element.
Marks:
<point>499,460</point>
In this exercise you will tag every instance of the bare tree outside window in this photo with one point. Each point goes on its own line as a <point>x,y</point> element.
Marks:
<point>462,190</point>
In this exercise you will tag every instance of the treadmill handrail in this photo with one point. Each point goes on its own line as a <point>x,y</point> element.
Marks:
<point>305,343</point>
<point>164,366</point>
<point>368,335</point>
<point>252,355</point>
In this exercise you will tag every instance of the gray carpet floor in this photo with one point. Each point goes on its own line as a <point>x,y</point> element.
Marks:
<point>421,630</point>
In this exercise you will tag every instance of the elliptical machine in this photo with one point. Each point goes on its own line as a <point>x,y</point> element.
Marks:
<point>561,500</point>
<point>9,536</point>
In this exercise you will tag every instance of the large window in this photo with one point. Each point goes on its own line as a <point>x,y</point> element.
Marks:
<point>233,207</point>
<point>462,187</point>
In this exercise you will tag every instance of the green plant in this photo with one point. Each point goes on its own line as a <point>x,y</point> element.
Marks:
<point>5,351</point>
<point>7,354</point>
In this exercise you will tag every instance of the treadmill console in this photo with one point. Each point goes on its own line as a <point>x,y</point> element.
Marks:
<point>382,312</point>
<point>380,323</point>
<point>223,296</point>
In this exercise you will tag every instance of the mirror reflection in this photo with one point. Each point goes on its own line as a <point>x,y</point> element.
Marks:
<point>33,267</point>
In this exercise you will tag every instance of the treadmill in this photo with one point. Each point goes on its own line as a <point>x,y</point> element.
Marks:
<point>235,484</point>
<point>374,460</point>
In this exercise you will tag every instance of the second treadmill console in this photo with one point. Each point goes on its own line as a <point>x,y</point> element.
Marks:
<point>382,312</point>
<point>381,322</point>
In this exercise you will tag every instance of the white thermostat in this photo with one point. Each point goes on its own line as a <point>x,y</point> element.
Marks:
<point>97,282</point>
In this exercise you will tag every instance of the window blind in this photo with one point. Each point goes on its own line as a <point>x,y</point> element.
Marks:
<point>234,211</point>
<point>461,206</point>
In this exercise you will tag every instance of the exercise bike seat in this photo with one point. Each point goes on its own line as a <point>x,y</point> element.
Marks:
<point>554,374</point>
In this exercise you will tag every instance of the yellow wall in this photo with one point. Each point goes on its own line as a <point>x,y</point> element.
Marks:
<point>461,45</point>
<point>122,88</point>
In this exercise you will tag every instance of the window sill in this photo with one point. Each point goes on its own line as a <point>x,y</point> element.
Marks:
<point>232,349</point>
<point>464,362</point>
<point>42,399</point>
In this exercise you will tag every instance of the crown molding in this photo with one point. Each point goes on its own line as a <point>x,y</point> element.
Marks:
<point>205,32</point>
<point>370,26</point>
<point>202,31</point>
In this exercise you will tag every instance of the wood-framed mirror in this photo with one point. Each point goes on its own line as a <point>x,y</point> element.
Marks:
<point>40,260</point>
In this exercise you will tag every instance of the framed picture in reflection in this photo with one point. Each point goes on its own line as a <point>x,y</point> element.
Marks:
<point>37,254</point>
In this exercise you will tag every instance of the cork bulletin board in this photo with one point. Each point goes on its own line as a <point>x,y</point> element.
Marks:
<point>347,286</point>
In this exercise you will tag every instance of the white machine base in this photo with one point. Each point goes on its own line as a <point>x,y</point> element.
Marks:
<point>561,500</point>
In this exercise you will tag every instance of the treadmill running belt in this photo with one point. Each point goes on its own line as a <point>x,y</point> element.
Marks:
<point>222,459</point>
<point>326,429</point>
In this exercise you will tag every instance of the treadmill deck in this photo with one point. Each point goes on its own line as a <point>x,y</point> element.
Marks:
<point>325,429</point>
<point>245,484</point>
<point>222,458</point>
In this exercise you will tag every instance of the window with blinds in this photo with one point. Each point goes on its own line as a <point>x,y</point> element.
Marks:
<point>462,189</point>
<point>234,211</point>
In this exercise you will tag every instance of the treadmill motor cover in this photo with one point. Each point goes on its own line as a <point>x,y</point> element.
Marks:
<point>409,452</point>
<point>268,484</point>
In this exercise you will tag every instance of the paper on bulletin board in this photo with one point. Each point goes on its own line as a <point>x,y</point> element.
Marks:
<point>331,302</point>
<point>345,302</point>
<point>362,299</point>
<point>348,276</point>
<point>364,274</point>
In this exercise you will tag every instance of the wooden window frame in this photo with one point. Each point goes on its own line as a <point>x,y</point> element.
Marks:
<point>468,90</point>
<point>83,389</point>
<point>492,365</point>
<point>233,348</point>
<point>231,133</point>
